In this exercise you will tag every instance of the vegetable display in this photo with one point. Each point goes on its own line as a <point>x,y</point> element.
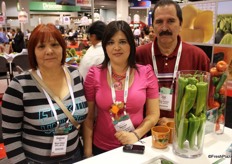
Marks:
<point>223,29</point>
<point>75,56</point>
<point>217,96</point>
<point>191,106</point>
<point>70,52</point>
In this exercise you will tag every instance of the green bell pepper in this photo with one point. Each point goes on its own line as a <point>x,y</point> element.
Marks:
<point>182,132</point>
<point>188,100</point>
<point>194,123</point>
<point>192,80</point>
<point>202,92</point>
<point>182,82</point>
<point>201,129</point>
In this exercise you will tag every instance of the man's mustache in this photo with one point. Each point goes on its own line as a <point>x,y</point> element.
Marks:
<point>165,33</point>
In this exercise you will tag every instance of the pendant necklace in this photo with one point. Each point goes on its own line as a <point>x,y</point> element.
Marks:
<point>118,80</point>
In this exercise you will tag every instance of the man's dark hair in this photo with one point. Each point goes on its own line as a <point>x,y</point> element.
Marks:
<point>168,2</point>
<point>97,28</point>
<point>146,30</point>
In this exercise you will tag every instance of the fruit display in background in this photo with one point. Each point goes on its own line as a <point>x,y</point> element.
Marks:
<point>70,52</point>
<point>197,24</point>
<point>71,56</point>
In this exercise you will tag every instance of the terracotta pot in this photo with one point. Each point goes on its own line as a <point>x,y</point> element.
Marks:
<point>160,136</point>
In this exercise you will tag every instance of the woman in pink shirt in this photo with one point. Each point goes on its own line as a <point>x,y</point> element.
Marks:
<point>116,92</point>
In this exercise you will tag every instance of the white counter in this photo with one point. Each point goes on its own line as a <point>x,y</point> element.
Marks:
<point>213,145</point>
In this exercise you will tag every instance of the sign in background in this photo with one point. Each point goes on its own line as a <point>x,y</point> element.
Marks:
<point>2,20</point>
<point>140,4</point>
<point>51,7</point>
<point>83,3</point>
<point>66,2</point>
<point>23,17</point>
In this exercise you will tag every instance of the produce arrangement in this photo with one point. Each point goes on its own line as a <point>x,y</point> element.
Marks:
<point>223,30</point>
<point>217,96</point>
<point>70,52</point>
<point>75,56</point>
<point>197,24</point>
<point>191,106</point>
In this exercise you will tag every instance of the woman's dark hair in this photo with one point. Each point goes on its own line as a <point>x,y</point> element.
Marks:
<point>111,29</point>
<point>168,2</point>
<point>42,33</point>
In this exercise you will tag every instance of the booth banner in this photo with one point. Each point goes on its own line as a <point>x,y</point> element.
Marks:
<point>84,21</point>
<point>83,3</point>
<point>66,20</point>
<point>136,18</point>
<point>96,16</point>
<point>2,20</point>
<point>66,2</point>
<point>23,17</point>
<point>52,7</point>
<point>149,19</point>
<point>3,16</point>
<point>3,8</point>
<point>140,4</point>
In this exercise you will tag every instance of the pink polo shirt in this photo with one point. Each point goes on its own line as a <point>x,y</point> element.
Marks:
<point>97,89</point>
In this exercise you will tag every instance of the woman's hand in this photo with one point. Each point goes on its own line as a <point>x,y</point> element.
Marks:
<point>126,137</point>
<point>164,120</point>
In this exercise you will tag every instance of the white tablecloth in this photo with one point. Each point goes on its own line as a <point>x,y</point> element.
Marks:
<point>214,145</point>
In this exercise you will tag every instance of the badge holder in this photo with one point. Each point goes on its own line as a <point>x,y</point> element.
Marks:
<point>59,143</point>
<point>57,99</point>
<point>60,139</point>
<point>165,96</point>
<point>123,122</point>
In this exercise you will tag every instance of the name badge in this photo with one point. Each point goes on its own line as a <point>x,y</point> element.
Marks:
<point>165,101</point>
<point>123,124</point>
<point>59,145</point>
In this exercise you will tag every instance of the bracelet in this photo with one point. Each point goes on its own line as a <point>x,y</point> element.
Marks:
<point>84,157</point>
<point>136,135</point>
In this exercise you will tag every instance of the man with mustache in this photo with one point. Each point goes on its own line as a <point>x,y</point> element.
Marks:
<point>168,54</point>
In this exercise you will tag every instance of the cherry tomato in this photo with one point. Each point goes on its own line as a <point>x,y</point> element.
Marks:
<point>221,119</point>
<point>217,127</point>
<point>214,72</point>
<point>210,102</point>
<point>216,104</point>
<point>221,66</point>
<point>222,90</point>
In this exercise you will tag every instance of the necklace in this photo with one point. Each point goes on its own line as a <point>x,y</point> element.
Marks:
<point>118,80</point>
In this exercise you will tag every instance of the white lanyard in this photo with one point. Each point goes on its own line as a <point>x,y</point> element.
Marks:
<point>50,101</point>
<point>176,64</point>
<point>125,88</point>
